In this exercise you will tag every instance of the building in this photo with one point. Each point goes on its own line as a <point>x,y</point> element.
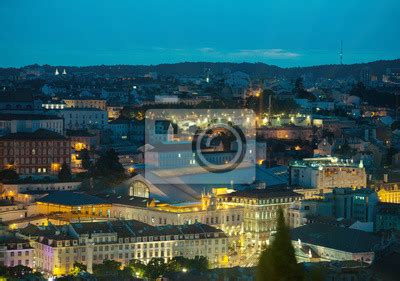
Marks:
<point>57,248</point>
<point>19,101</point>
<point>120,129</point>
<point>289,132</point>
<point>10,211</point>
<point>17,190</point>
<point>39,152</point>
<point>324,242</point>
<point>86,103</point>
<point>260,210</point>
<point>325,148</point>
<point>81,139</point>
<point>54,104</point>
<point>84,118</point>
<point>170,99</point>
<point>327,173</point>
<point>15,123</point>
<point>228,218</point>
<point>342,203</point>
<point>387,217</point>
<point>114,111</point>
<point>73,205</point>
<point>389,194</point>
<point>15,251</point>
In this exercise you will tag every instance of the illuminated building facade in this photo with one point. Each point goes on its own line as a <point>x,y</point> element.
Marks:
<point>389,195</point>
<point>40,152</point>
<point>14,251</point>
<point>260,211</point>
<point>208,211</point>
<point>57,248</point>
<point>327,173</point>
<point>86,103</point>
<point>73,205</point>
<point>286,133</point>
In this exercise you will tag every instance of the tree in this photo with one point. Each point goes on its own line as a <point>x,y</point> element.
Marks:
<point>302,93</point>
<point>78,268</point>
<point>65,173</point>
<point>85,158</point>
<point>155,268</point>
<point>137,267</point>
<point>107,269</point>
<point>278,261</point>
<point>108,168</point>
<point>8,175</point>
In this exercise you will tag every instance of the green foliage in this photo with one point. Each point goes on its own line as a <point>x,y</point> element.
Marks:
<point>278,106</point>
<point>390,153</point>
<point>302,93</point>
<point>77,268</point>
<point>8,175</point>
<point>85,157</point>
<point>345,150</point>
<point>137,267</point>
<point>155,268</point>
<point>108,168</point>
<point>65,173</point>
<point>111,269</point>
<point>373,96</point>
<point>20,272</point>
<point>278,261</point>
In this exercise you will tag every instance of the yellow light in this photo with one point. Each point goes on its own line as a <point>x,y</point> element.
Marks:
<point>12,226</point>
<point>55,166</point>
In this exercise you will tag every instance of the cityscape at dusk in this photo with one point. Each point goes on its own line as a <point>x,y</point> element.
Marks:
<point>200,140</point>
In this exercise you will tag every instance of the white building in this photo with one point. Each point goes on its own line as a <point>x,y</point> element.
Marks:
<point>16,123</point>
<point>14,251</point>
<point>84,118</point>
<point>166,99</point>
<point>56,248</point>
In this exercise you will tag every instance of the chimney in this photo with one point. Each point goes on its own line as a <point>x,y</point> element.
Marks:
<point>385,178</point>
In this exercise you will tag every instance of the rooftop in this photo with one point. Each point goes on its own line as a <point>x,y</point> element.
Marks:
<point>335,237</point>
<point>40,134</point>
<point>9,117</point>
<point>79,133</point>
<point>316,163</point>
<point>264,193</point>
<point>71,199</point>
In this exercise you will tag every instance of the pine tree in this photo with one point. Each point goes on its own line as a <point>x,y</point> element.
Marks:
<point>65,173</point>
<point>278,261</point>
<point>85,157</point>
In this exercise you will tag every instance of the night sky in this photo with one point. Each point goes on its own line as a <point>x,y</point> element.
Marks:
<point>284,32</point>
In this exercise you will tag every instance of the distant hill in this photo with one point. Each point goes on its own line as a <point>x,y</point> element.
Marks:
<point>197,68</point>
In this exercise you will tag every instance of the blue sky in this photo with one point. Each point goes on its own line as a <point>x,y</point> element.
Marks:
<point>284,32</point>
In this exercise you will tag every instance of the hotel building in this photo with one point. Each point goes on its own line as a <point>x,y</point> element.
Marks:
<point>57,248</point>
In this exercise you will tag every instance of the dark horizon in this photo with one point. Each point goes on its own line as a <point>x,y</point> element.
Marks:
<point>203,62</point>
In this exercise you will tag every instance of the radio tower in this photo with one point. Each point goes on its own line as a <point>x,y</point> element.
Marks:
<point>341,52</point>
